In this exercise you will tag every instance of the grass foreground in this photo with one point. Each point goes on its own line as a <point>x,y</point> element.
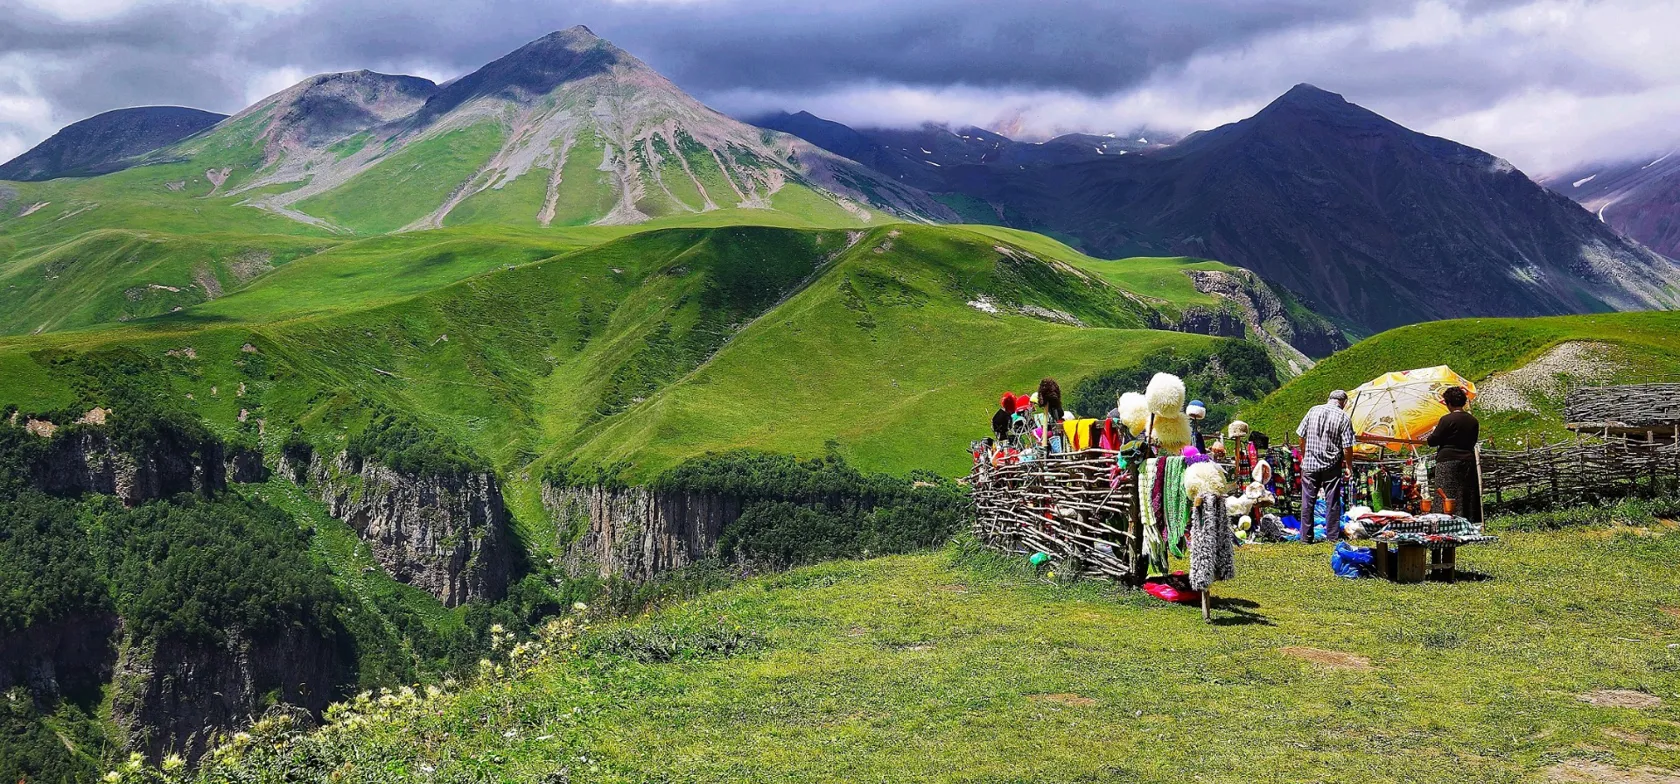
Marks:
<point>960,665</point>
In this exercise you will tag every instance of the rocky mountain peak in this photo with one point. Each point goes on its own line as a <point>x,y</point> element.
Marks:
<point>534,70</point>
<point>327,107</point>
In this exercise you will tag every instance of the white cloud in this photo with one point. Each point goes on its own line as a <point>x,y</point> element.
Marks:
<point>269,82</point>
<point>25,116</point>
<point>1545,84</point>
<point>89,10</point>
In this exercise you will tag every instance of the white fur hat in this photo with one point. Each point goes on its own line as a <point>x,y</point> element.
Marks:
<point>1165,395</point>
<point>1134,412</point>
<point>1203,478</point>
<point>1238,429</point>
<point>1173,432</point>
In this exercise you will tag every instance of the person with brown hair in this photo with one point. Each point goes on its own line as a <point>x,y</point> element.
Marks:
<point>1049,399</point>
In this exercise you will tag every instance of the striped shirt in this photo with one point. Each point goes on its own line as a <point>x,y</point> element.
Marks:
<point>1325,432</point>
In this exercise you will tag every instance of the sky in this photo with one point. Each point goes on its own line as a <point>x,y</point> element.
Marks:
<point>1545,84</point>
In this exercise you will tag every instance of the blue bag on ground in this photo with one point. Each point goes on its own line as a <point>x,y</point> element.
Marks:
<point>1352,562</point>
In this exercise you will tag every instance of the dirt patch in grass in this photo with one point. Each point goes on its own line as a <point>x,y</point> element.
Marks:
<point>1069,698</point>
<point>1671,611</point>
<point>1589,772</point>
<point>1619,698</point>
<point>1335,660</point>
<point>1639,739</point>
<point>954,588</point>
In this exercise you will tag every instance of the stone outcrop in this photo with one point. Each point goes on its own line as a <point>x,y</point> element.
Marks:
<point>1267,317</point>
<point>446,535</point>
<point>85,461</point>
<point>1218,322</point>
<point>635,533</point>
<point>69,656</point>
<point>175,696</point>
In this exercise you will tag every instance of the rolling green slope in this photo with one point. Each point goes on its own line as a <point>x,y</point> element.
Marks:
<point>645,349</point>
<point>410,183</point>
<point>1636,347</point>
<point>884,357</point>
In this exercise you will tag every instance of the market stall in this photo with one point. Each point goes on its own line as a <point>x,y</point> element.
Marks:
<point>1392,498</point>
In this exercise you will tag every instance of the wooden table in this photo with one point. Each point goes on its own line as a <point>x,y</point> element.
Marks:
<point>1411,562</point>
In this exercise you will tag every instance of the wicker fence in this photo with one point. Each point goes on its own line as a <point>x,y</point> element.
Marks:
<point>1654,406</point>
<point>1072,507</point>
<point>1553,475</point>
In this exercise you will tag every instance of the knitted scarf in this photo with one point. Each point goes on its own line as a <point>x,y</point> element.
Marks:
<point>1175,506</point>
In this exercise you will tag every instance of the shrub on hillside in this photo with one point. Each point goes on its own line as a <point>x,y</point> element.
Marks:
<point>402,444</point>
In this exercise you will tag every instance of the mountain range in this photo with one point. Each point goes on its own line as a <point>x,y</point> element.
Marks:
<point>1639,198</point>
<point>1372,224</point>
<point>1361,219</point>
<point>107,142</point>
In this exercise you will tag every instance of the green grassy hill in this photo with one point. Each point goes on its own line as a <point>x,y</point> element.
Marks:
<point>1522,355</point>
<point>952,666</point>
<point>645,349</point>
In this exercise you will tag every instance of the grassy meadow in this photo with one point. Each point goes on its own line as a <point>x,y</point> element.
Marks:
<point>959,665</point>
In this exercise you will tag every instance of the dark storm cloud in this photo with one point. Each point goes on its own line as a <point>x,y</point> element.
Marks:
<point>1093,47</point>
<point>214,53</point>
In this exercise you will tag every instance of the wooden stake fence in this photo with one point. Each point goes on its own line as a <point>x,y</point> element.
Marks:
<point>1074,507</point>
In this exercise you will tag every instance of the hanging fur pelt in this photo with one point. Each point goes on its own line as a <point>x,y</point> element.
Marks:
<point>1213,551</point>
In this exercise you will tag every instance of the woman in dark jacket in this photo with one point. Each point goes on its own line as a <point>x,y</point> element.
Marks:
<point>1455,437</point>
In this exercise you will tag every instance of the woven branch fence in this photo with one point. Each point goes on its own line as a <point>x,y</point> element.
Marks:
<point>1069,506</point>
<point>1570,473</point>
<point>1633,405</point>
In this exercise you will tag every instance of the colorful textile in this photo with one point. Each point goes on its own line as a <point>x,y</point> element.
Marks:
<point>1078,432</point>
<point>1175,506</point>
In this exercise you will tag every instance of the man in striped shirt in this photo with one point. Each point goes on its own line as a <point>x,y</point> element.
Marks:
<point>1326,459</point>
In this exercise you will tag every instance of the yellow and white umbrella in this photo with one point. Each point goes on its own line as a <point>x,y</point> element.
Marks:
<point>1404,406</point>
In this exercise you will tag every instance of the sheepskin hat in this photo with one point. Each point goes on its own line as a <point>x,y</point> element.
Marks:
<point>1134,412</point>
<point>1165,395</point>
<point>1203,478</point>
<point>1238,429</point>
<point>1173,432</point>
<point>1196,410</point>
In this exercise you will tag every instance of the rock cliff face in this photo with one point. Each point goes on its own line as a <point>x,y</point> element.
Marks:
<point>446,535</point>
<point>635,533</point>
<point>1267,317</point>
<point>175,696</point>
<point>70,656</point>
<point>1218,322</point>
<point>87,462</point>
